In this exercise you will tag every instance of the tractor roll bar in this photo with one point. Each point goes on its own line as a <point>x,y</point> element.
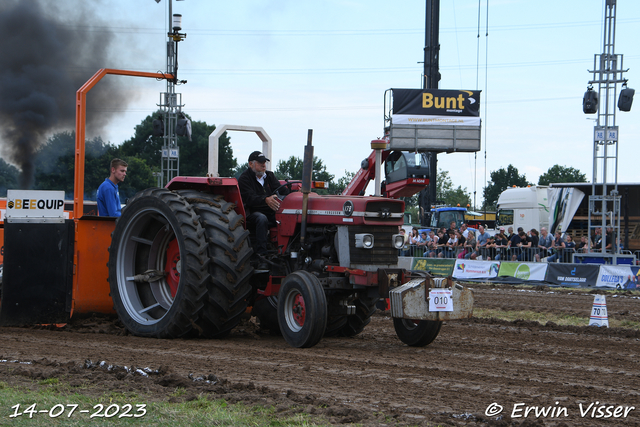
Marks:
<point>214,139</point>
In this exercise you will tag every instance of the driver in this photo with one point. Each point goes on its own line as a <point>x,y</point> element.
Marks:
<point>257,185</point>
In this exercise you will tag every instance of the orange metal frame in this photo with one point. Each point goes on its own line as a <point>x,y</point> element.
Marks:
<point>92,234</point>
<point>81,116</point>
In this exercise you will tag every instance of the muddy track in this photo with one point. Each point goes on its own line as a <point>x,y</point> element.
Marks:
<point>373,378</point>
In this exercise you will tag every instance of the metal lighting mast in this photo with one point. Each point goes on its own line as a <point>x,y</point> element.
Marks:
<point>607,73</point>
<point>171,102</point>
<point>430,81</point>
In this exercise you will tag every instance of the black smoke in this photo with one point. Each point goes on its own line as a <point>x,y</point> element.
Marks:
<point>46,55</point>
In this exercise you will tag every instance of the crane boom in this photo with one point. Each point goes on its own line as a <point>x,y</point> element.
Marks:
<point>405,186</point>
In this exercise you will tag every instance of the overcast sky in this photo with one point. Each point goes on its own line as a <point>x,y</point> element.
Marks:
<point>289,66</point>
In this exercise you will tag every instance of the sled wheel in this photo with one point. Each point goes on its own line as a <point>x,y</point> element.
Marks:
<point>416,333</point>
<point>158,265</point>
<point>302,309</point>
<point>365,307</point>
<point>351,325</point>
<point>229,251</point>
<point>335,324</point>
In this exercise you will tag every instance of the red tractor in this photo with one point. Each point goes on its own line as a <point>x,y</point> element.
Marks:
<point>179,262</point>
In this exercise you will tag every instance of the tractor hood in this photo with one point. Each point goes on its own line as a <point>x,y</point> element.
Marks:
<point>341,210</point>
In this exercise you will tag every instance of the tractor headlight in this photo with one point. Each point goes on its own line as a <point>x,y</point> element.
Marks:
<point>398,241</point>
<point>364,241</point>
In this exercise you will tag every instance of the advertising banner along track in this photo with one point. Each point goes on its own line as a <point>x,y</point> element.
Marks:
<point>524,270</point>
<point>468,269</point>
<point>582,275</point>
<point>615,276</point>
<point>437,266</point>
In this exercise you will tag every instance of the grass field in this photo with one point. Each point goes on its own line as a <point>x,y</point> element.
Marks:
<point>59,406</point>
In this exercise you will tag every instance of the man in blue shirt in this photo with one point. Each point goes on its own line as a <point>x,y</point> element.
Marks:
<point>108,196</point>
<point>481,240</point>
<point>545,243</point>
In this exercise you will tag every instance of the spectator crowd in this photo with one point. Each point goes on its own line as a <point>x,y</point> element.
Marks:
<point>466,243</point>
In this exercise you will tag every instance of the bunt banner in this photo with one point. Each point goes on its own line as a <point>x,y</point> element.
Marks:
<point>436,107</point>
<point>573,275</point>
<point>524,270</point>
<point>469,269</point>
<point>437,266</point>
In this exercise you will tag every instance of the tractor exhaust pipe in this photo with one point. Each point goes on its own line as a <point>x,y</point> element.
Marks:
<point>378,145</point>
<point>307,170</point>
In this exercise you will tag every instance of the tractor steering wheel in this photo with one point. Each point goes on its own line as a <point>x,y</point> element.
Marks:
<point>286,184</point>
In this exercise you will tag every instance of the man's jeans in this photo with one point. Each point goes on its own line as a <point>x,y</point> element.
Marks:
<point>260,222</point>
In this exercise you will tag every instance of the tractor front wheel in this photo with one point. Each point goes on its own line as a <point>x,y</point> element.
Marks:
<point>416,333</point>
<point>302,309</point>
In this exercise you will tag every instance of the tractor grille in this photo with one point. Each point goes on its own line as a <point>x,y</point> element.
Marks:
<point>382,210</point>
<point>383,251</point>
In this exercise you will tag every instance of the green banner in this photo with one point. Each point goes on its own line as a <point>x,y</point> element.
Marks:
<point>437,266</point>
<point>524,270</point>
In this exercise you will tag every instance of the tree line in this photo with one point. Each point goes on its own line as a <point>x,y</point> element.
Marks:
<point>54,167</point>
<point>54,162</point>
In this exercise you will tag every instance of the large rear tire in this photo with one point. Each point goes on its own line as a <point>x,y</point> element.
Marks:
<point>158,265</point>
<point>229,252</point>
<point>302,309</point>
<point>416,333</point>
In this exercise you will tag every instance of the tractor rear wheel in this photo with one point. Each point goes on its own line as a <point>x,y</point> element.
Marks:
<point>302,309</point>
<point>158,265</point>
<point>229,252</point>
<point>416,333</point>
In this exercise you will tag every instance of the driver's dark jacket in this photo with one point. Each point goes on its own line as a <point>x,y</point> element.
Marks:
<point>253,194</point>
